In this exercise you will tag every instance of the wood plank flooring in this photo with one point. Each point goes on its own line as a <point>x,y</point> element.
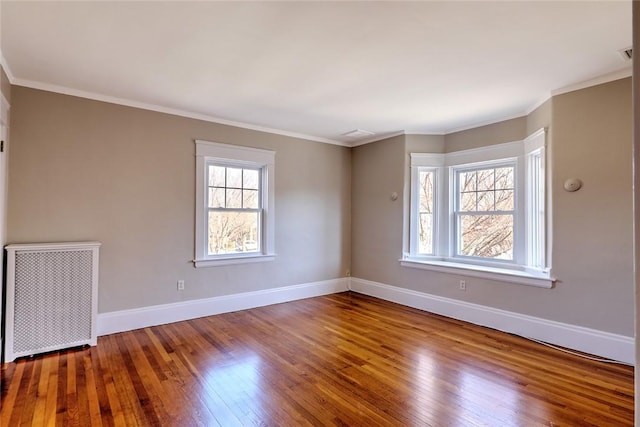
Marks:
<point>343,359</point>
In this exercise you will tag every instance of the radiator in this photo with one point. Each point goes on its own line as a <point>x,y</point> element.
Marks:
<point>52,297</point>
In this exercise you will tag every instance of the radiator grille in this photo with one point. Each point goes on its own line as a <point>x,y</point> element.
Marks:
<point>52,299</point>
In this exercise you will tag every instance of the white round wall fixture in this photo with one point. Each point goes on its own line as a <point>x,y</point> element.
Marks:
<point>572,184</point>
<point>394,196</point>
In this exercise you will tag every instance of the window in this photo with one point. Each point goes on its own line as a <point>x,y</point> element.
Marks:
<point>426,192</point>
<point>485,212</point>
<point>234,209</point>
<point>234,198</point>
<point>481,210</point>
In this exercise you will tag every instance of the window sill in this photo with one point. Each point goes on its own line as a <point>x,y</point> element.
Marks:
<point>538,279</point>
<point>244,259</point>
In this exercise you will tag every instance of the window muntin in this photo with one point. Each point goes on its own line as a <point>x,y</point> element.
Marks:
<point>234,209</point>
<point>485,212</point>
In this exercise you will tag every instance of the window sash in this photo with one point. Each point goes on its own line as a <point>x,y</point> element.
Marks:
<point>226,187</point>
<point>459,212</point>
<point>460,240</point>
<point>430,231</point>
<point>238,243</point>
<point>414,226</point>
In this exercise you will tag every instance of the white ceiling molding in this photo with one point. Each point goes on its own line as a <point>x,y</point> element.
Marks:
<point>378,137</point>
<point>485,123</point>
<point>617,75</point>
<point>6,68</point>
<point>160,109</point>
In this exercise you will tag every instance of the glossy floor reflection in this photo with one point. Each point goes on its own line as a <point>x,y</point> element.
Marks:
<point>342,359</point>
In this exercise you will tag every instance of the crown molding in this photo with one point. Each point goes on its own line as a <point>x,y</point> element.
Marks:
<point>167,110</point>
<point>376,138</point>
<point>617,75</point>
<point>6,68</point>
<point>485,123</point>
<point>606,78</point>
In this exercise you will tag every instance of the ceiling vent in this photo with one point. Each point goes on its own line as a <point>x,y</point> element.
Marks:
<point>627,54</point>
<point>358,133</point>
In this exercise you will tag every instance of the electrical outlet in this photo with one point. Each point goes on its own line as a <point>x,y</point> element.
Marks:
<point>463,285</point>
<point>181,285</point>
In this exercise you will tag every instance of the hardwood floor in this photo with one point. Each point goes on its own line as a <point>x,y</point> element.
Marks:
<point>343,359</point>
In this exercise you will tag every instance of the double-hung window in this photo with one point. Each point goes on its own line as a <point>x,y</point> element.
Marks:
<point>485,211</point>
<point>234,204</point>
<point>234,208</point>
<point>481,211</point>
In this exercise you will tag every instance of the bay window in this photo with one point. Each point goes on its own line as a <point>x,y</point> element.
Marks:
<point>481,212</point>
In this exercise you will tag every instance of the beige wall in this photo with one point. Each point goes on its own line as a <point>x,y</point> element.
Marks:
<point>497,133</point>
<point>88,170</point>
<point>377,227</point>
<point>592,229</point>
<point>540,118</point>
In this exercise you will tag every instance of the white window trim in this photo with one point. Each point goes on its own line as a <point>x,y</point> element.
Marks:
<point>240,156</point>
<point>444,260</point>
<point>500,274</point>
<point>537,254</point>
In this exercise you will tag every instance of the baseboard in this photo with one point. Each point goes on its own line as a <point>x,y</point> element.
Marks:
<point>127,320</point>
<point>592,341</point>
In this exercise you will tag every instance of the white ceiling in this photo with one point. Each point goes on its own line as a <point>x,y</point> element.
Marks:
<point>319,69</point>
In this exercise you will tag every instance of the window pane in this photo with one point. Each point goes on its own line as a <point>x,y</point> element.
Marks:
<point>216,176</point>
<point>234,199</point>
<point>250,179</point>
<point>425,213</point>
<point>485,179</point>
<point>486,200</point>
<point>504,200</point>
<point>234,177</point>
<point>233,232</point>
<point>426,192</point>
<point>504,178</point>
<point>216,197</point>
<point>425,237</point>
<point>489,236</point>
<point>468,201</point>
<point>250,199</point>
<point>467,181</point>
